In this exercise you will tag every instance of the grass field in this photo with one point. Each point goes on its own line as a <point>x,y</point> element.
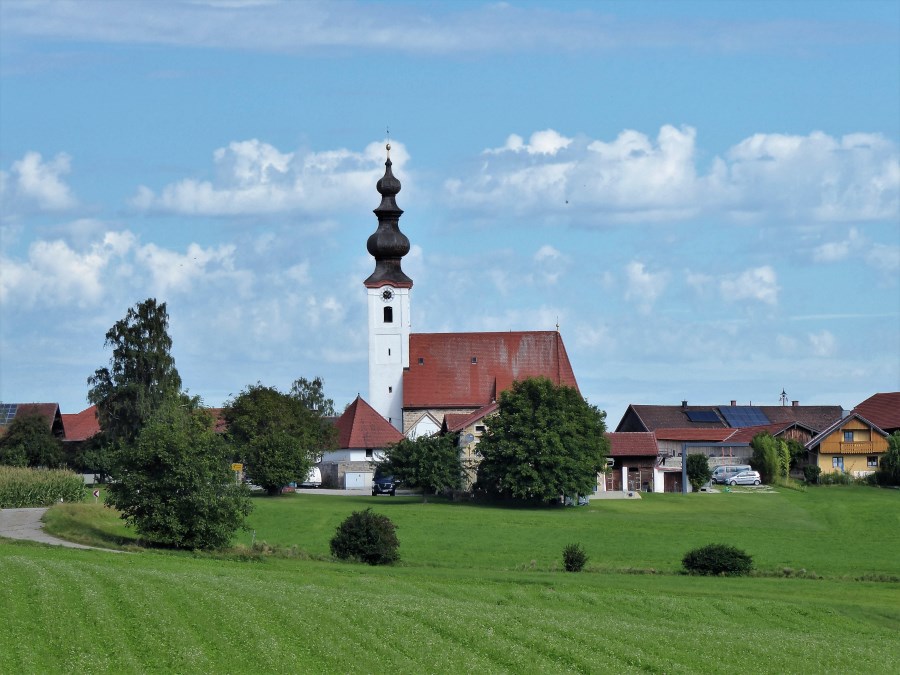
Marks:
<point>478,588</point>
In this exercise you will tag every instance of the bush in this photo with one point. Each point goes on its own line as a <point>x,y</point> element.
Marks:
<point>22,488</point>
<point>836,478</point>
<point>367,537</point>
<point>811,473</point>
<point>718,559</point>
<point>574,558</point>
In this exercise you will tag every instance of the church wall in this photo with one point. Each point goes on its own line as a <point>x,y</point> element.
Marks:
<point>410,417</point>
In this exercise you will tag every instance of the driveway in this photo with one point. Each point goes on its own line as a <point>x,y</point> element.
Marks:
<point>26,524</point>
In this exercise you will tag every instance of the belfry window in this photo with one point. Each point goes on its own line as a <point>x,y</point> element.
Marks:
<point>389,315</point>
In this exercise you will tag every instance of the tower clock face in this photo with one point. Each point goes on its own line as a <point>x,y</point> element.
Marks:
<point>387,295</point>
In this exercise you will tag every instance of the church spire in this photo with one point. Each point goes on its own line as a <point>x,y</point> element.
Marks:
<point>388,244</point>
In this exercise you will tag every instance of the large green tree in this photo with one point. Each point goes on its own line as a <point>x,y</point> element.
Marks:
<point>29,441</point>
<point>141,373</point>
<point>276,435</point>
<point>174,482</point>
<point>545,441</point>
<point>428,462</point>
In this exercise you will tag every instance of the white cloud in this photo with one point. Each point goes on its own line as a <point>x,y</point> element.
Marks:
<point>759,283</point>
<point>36,183</point>
<point>823,343</point>
<point>632,178</point>
<point>298,27</point>
<point>547,142</point>
<point>642,286</point>
<point>883,257</point>
<point>253,177</point>
<point>56,275</point>
<point>834,251</point>
<point>550,264</point>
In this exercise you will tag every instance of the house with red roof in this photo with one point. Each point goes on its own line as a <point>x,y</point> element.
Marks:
<point>853,445</point>
<point>362,436</point>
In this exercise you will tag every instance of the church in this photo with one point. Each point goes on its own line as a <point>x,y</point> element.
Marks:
<point>423,382</point>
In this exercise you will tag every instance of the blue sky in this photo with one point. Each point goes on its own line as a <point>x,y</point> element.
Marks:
<point>705,196</point>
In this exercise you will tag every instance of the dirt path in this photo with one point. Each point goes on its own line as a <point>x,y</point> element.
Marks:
<point>26,524</point>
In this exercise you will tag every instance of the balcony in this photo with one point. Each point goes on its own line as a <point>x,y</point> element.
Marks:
<point>857,448</point>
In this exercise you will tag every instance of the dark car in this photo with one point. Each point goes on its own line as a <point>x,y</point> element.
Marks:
<point>384,485</point>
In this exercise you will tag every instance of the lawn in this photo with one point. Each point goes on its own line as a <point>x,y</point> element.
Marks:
<point>478,589</point>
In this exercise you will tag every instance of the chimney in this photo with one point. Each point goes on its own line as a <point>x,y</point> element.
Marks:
<point>733,403</point>
<point>795,404</point>
<point>683,405</point>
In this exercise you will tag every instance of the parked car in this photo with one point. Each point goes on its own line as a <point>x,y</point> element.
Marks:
<point>745,478</point>
<point>722,474</point>
<point>384,485</point>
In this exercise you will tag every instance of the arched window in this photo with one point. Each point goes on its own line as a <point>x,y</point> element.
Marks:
<point>389,315</point>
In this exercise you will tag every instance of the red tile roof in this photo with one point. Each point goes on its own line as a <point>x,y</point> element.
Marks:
<point>691,435</point>
<point>883,410</point>
<point>81,426</point>
<point>467,370</point>
<point>362,427</point>
<point>655,417</point>
<point>454,422</point>
<point>632,444</point>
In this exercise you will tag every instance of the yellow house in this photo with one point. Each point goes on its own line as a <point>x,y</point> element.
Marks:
<point>853,445</point>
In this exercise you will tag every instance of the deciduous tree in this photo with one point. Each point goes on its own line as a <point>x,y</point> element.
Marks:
<point>173,483</point>
<point>545,441</point>
<point>275,435</point>
<point>698,470</point>
<point>29,441</point>
<point>428,462</point>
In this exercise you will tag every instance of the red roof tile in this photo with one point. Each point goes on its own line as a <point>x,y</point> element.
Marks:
<point>883,410</point>
<point>81,426</point>
<point>632,444</point>
<point>362,427</point>
<point>466,370</point>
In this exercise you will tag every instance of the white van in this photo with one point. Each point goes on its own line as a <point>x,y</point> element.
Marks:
<point>313,478</point>
<point>722,474</point>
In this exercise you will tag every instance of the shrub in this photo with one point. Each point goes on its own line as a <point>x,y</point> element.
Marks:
<point>836,478</point>
<point>718,559</point>
<point>29,488</point>
<point>368,537</point>
<point>574,558</point>
<point>811,473</point>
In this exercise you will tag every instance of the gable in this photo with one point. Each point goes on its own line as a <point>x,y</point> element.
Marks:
<point>362,427</point>
<point>469,370</point>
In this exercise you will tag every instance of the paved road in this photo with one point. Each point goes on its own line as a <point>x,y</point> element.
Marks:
<point>26,524</point>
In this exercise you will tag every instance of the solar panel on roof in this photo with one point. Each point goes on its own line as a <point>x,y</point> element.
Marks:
<point>702,416</point>
<point>743,416</point>
<point>7,412</point>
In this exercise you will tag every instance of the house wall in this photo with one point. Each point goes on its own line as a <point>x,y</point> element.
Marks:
<point>853,454</point>
<point>333,472</point>
<point>853,464</point>
<point>353,455</point>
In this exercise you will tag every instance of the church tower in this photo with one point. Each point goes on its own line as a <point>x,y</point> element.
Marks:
<point>387,290</point>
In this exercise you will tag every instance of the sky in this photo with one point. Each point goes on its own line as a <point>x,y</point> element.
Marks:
<point>703,196</point>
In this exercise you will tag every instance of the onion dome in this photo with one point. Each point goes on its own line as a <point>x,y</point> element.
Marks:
<point>388,244</point>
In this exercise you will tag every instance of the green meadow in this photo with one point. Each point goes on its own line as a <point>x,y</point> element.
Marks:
<point>479,588</point>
